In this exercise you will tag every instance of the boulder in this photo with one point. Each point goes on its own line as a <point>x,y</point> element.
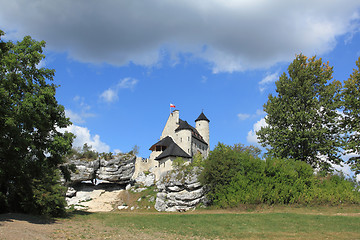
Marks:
<point>71,192</point>
<point>178,191</point>
<point>146,179</point>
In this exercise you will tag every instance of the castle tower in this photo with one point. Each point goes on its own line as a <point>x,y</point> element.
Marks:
<point>202,126</point>
<point>171,124</point>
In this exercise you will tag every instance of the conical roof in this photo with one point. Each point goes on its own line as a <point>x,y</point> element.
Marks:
<point>202,117</point>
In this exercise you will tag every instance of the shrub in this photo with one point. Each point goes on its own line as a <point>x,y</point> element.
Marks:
<point>236,176</point>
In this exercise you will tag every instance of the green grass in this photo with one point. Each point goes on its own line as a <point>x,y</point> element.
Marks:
<point>273,225</point>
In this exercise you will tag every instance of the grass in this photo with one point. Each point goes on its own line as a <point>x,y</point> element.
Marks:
<point>278,223</point>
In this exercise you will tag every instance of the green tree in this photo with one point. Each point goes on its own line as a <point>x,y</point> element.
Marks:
<point>351,121</point>
<point>222,164</point>
<point>31,147</point>
<point>302,120</point>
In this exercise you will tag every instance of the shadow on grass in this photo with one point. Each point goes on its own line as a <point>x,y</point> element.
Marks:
<point>35,219</point>
<point>12,217</point>
<point>73,213</point>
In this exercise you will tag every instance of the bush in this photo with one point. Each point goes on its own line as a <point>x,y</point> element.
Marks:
<point>222,167</point>
<point>237,176</point>
<point>84,153</point>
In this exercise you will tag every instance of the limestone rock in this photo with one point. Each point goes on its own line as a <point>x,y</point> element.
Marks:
<point>71,192</point>
<point>146,179</point>
<point>160,204</point>
<point>118,170</point>
<point>179,192</point>
<point>123,207</point>
<point>128,187</point>
<point>95,198</point>
<point>85,170</point>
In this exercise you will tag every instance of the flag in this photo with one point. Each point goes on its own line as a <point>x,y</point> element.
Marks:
<point>172,105</point>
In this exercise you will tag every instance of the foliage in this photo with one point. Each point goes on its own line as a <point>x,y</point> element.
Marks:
<point>178,164</point>
<point>106,156</point>
<point>237,177</point>
<point>197,161</point>
<point>135,150</point>
<point>222,164</point>
<point>85,153</point>
<point>351,122</point>
<point>302,120</point>
<point>31,147</point>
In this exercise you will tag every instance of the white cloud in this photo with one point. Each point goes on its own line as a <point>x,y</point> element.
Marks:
<point>230,35</point>
<point>243,116</point>
<point>74,117</point>
<point>252,137</point>
<point>82,113</point>
<point>41,64</point>
<point>116,151</point>
<point>127,83</point>
<point>83,136</point>
<point>204,79</point>
<point>111,95</point>
<point>346,168</point>
<point>268,79</point>
<point>260,112</point>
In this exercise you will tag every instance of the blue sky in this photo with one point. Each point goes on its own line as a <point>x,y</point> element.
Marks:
<point>121,63</point>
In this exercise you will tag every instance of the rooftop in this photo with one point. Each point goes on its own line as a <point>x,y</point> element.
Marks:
<point>170,149</point>
<point>202,117</point>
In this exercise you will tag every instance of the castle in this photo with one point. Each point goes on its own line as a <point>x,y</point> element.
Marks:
<point>178,139</point>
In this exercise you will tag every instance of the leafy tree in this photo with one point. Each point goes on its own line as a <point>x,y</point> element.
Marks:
<point>222,164</point>
<point>302,120</point>
<point>351,121</point>
<point>31,147</point>
<point>135,150</point>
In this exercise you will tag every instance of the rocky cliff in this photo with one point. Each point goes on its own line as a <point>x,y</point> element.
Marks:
<point>118,170</point>
<point>179,191</point>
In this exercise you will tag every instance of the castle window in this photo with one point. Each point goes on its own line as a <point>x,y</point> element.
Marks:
<point>189,139</point>
<point>181,139</point>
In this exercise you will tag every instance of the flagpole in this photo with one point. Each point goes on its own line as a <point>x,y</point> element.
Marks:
<point>171,106</point>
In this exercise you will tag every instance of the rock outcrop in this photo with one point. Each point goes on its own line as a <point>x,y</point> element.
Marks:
<point>93,198</point>
<point>85,170</point>
<point>146,179</point>
<point>120,169</point>
<point>179,192</point>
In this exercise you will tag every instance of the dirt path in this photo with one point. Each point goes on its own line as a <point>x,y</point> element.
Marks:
<point>102,201</point>
<point>21,226</point>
